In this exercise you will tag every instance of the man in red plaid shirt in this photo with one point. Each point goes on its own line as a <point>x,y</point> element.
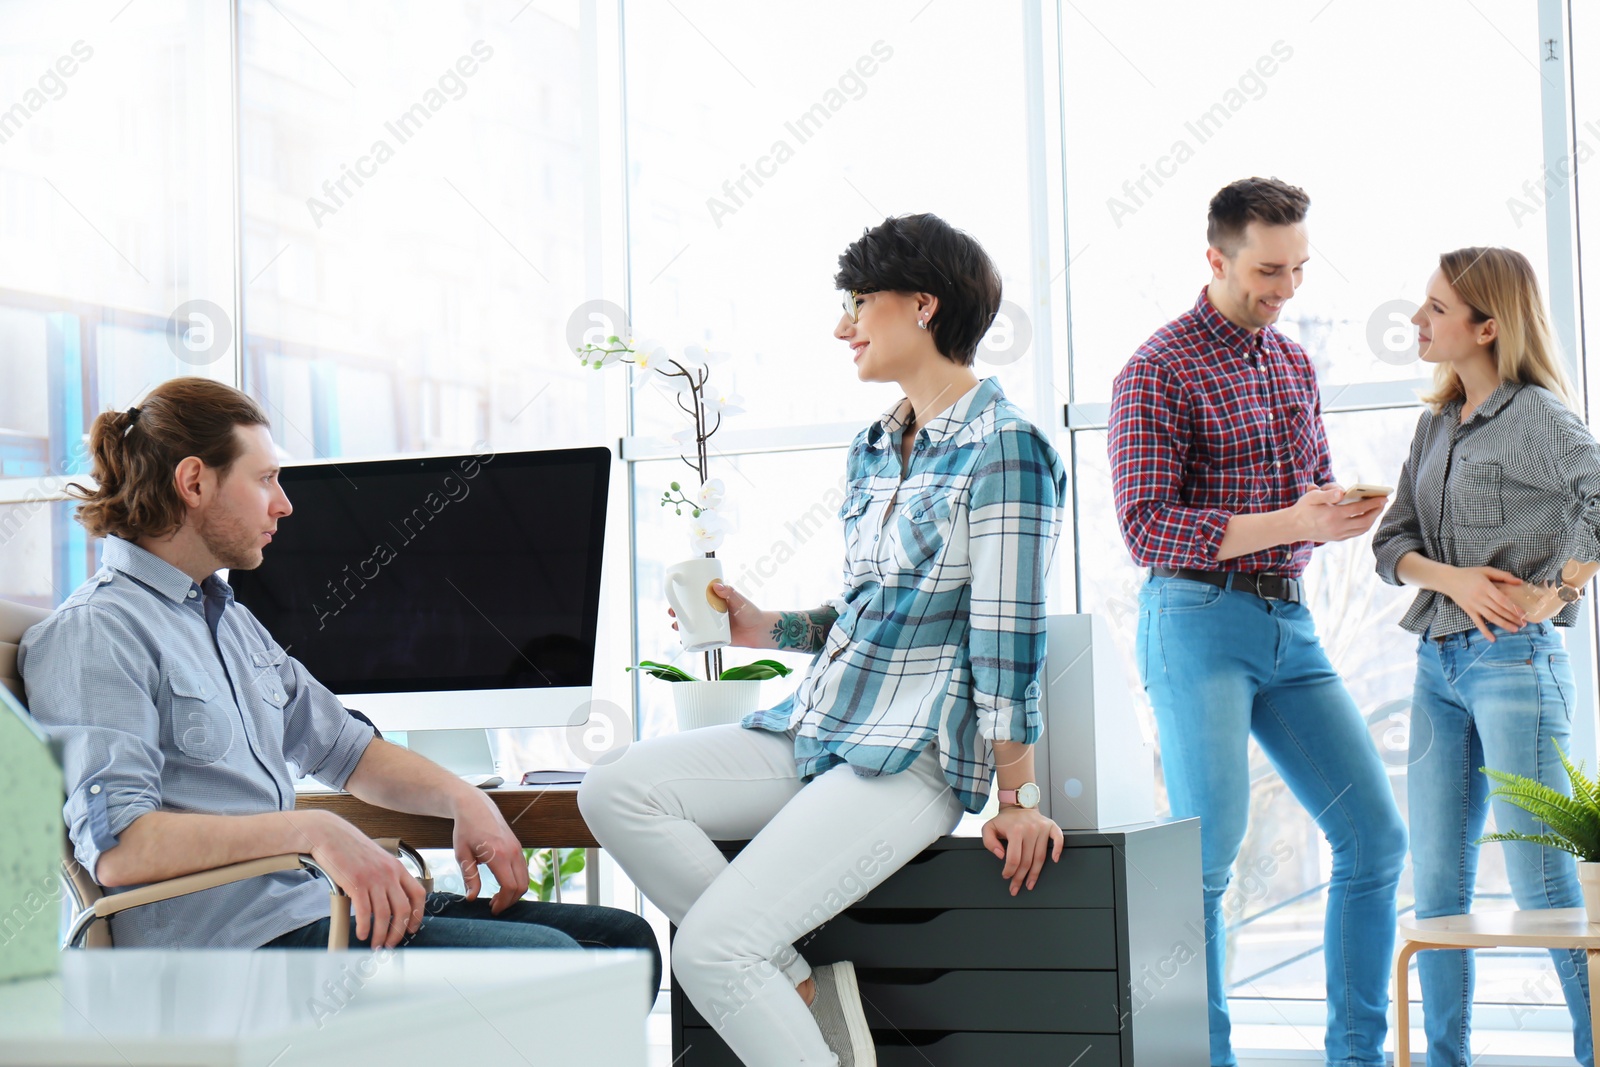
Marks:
<point>1223,487</point>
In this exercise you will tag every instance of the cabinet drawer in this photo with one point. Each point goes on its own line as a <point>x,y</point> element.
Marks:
<point>1054,1002</point>
<point>1059,939</point>
<point>1057,1002</point>
<point>703,1048</point>
<point>970,878</point>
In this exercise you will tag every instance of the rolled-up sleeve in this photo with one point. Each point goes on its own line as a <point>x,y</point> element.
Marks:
<point>1400,532</point>
<point>91,688</point>
<point>1014,519</point>
<point>1579,464</point>
<point>319,736</point>
<point>1148,442</point>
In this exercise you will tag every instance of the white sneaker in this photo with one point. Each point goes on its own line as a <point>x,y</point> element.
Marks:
<point>837,1009</point>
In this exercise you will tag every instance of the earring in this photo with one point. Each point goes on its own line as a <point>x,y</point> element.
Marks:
<point>922,324</point>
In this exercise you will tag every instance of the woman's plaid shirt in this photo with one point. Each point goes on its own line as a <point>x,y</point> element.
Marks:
<point>940,636</point>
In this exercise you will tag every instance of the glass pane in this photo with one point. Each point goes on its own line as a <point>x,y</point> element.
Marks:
<point>417,221</point>
<point>757,157</point>
<point>1586,112</point>
<point>1387,157</point>
<point>1357,614</point>
<point>116,222</point>
<point>784,550</point>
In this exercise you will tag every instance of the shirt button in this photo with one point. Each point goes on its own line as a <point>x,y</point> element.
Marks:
<point>191,594</point>
<point>94,790</point>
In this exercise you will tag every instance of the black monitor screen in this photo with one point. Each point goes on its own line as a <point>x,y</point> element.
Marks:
<point>442,573</point>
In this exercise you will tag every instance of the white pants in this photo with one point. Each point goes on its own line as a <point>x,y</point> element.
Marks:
<point>814,850</point>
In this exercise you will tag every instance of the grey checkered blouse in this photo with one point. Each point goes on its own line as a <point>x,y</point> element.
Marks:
<point>1516,486</point>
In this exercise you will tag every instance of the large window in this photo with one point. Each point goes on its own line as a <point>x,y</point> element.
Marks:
<point>392,228</point>
<point>116,255</point>
<point>1385,156</point>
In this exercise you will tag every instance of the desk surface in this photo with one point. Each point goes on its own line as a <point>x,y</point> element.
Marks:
<point>1540,928</point>
<point>540,816</point>
<point>255,1008</point>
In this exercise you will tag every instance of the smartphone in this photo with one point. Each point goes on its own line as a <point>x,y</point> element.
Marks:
<point>1365,492</point>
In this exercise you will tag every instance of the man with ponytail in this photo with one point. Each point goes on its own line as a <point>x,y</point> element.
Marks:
<point>182,724</point>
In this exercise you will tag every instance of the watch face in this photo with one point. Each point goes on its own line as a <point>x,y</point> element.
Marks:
<point>1028,795</point>
<point>1568,593</point>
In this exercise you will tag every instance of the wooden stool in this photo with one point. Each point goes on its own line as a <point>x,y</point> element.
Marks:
<point>1549,928</point>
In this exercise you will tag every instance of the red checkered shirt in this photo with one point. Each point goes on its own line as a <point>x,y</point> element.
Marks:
<point>1209,421</point>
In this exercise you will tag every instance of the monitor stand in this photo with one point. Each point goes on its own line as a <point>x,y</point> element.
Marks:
<point>462,752</point>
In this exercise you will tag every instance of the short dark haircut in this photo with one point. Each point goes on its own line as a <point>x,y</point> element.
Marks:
<point>136,453</point>
<point>1247,200</point>
<point>925,254</point>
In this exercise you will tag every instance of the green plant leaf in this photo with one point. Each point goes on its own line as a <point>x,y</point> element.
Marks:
<point>665,671</point>
<point>1547,840</point>
<point>1584,789</point>
<point>759,671</point>
<point>1571,819</point>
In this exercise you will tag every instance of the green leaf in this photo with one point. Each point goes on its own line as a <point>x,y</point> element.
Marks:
<point>572,864</point>
<point>1547,840</point>
<point>1571,819</point>
<point>1583,788</point>
<point>665,671</point>
<point>759,671</point>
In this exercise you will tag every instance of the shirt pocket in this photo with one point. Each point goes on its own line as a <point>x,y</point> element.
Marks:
<point>202,728</point>
<point>268,683</point>
<point>921,531</point>
<point>1475,495</point>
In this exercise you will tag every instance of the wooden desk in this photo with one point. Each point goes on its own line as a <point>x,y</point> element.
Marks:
<point>1542,928</point>
<point>540,816</point>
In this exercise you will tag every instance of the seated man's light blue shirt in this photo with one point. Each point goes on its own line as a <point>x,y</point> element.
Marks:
<point>164,695</point>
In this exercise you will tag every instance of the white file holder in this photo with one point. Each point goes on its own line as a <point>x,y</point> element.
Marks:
<point>1095,765</point>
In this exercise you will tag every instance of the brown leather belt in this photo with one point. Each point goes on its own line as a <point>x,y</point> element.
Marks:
<point>1265,586</point>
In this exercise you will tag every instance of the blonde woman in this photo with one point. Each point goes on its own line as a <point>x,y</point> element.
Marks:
<point>1501,489</point>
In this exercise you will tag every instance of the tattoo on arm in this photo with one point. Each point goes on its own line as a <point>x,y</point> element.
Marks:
<point>804,631</point>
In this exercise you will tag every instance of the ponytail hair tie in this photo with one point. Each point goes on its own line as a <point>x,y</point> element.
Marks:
<point>133,417</point>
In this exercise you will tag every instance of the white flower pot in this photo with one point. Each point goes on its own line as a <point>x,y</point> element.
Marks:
<point>1589,879</point>
<point>714,703</point>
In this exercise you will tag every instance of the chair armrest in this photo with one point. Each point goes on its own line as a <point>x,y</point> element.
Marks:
<point>181,886</point>
<point>402,851</point>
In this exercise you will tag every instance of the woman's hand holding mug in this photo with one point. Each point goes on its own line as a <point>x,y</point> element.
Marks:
<point>748,625</point>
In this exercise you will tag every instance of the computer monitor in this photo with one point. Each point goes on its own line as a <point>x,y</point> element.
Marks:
<point>442,592</point>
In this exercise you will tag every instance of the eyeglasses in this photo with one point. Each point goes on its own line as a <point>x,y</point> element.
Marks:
<point>852,309</point>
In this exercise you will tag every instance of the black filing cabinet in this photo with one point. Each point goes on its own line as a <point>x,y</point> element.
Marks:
<point>1102,964</point>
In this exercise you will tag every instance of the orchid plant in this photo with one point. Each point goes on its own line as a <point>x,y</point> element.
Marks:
<point>687,378</point>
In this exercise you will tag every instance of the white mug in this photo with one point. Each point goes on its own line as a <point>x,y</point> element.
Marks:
<point>702,615</point>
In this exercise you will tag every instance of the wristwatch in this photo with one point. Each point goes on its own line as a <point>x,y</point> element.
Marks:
<point>1025,795</point>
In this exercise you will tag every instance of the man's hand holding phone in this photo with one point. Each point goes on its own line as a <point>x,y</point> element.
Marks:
<point>1360,491</point>
<point>1334,513</point>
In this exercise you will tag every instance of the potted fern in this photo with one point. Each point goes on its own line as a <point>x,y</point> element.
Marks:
<point>1573,822</point>
<point>735,694</point>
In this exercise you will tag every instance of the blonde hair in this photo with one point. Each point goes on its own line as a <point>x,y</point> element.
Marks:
<point>1499,284</point>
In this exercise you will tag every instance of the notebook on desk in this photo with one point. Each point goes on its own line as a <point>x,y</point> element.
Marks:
<point>553,778</point>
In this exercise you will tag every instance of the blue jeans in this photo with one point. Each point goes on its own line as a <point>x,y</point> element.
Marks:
<point>1224,666</point>
<point>452,921</point>
<point>1505,705</point>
